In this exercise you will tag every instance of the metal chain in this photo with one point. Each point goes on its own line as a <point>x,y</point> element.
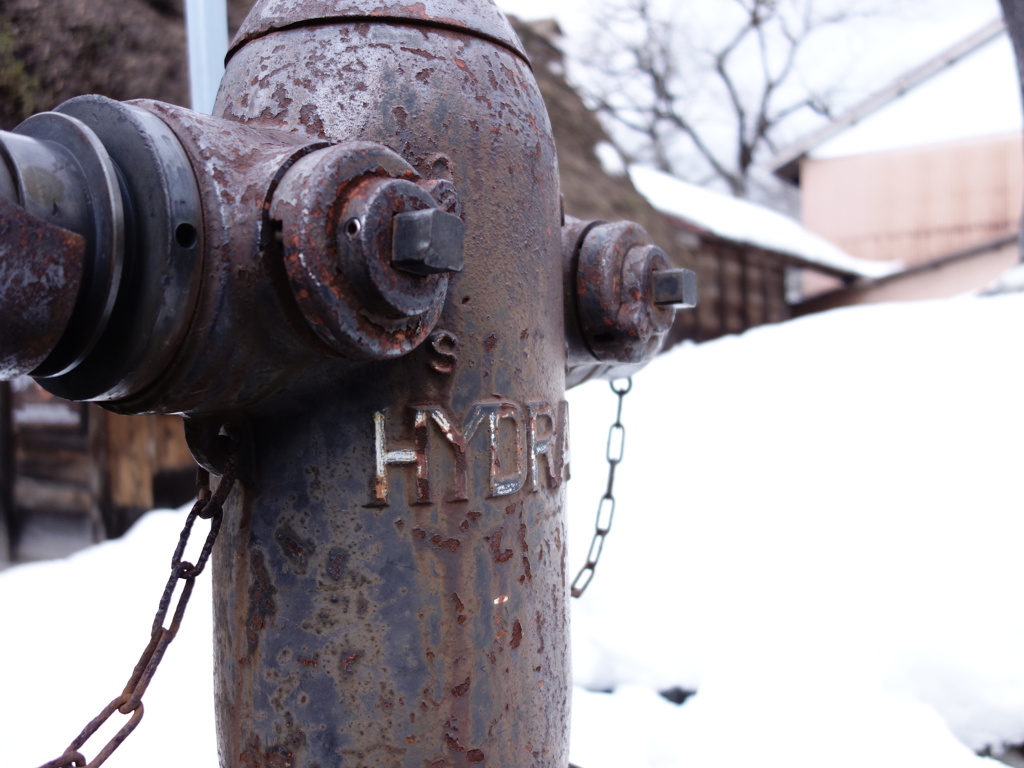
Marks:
<point>209,507</point>
<point>606,508</point>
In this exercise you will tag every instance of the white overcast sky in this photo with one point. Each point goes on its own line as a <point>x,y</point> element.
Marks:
<point>866,56</point>
<point>938,21</point>
<point>905,32</point>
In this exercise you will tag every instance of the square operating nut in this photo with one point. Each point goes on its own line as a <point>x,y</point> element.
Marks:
<point>428,242</point>
<point>675,288</point>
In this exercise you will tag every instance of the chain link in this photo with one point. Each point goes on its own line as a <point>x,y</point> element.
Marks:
<point>606,507</point>
<point>208,506</point>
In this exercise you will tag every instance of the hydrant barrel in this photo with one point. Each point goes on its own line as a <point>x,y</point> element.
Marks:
<point>392,591</point>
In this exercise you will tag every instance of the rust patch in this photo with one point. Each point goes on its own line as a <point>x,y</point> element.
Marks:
<point>517,634</point>
<point>500,556</point>
<point>449,545</point>
<point>422,53</point>
<point>295,548</point>
<point>336,560</point>
<point>475,756</point>
<point>461,689</point>
<point>41,267</point>
<point>527,571</point>
<point>401,116</point>
<point>309,116</point>
<point>261,601</point>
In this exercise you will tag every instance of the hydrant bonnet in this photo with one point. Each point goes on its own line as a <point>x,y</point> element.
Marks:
<point>478,17</point>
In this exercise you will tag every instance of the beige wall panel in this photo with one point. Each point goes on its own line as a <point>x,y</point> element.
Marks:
<point>917,204</point>
<point>951,279</point>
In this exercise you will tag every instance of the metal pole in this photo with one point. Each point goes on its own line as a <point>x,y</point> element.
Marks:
<point>206,26</point>
<point>6,474</point>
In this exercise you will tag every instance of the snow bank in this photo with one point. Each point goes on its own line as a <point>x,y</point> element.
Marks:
<point>818,529</point>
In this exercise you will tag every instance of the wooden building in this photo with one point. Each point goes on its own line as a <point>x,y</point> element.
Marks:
<point>72,473</point>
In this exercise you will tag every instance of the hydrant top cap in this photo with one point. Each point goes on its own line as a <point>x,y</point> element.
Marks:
<point>478,17</point>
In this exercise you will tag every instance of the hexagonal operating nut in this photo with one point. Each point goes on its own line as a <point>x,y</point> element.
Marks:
<point>428,242</point>
<point>674,288</point>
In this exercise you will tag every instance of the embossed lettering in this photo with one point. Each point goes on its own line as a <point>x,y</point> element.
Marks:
<point>445,349</point>
<point>385,457</point>
<point>508,484</point>
<point>542,432</point>
<point>459,440</point>
<point>519,439</point>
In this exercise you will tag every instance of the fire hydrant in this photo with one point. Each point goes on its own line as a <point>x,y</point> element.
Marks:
<point>360,272</point>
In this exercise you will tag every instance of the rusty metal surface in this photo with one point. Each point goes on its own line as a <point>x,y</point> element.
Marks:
<point>478,17</point>
<point>95,189</point>
<point>244,339</point>
<point>337,212</point>
<point>614,274</point>
<point>62,175</point>
<point>41,268</point>
<point>162,263</point>
<point>392,587</point>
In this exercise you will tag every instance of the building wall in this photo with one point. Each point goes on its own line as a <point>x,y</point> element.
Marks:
<point>917,204</point>
<point>944,279</point>
<point>738,287</point>
<point>75,473</point>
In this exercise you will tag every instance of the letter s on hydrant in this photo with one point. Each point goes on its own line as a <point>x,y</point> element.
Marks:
<point>359,270</point>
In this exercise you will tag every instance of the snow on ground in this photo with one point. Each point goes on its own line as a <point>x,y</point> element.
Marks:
<point>818,529</point>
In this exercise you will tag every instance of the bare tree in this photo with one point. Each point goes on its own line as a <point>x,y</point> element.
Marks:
<point>705,103</point>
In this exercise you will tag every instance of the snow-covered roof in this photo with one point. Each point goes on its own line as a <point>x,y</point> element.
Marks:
<point>740,221</point>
